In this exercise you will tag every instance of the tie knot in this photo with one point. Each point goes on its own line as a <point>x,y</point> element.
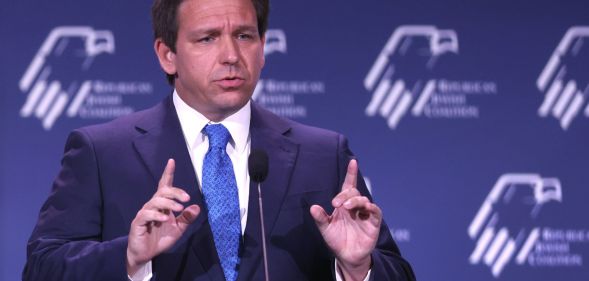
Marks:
<point>218,135</point>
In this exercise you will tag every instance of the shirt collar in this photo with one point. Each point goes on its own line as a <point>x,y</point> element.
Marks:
<point>193,122</point>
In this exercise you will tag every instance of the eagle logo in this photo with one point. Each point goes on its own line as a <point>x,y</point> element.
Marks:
<point>504,226</point>
<point>66,50</point>
<point>411,51</point>
<point>275,42</point>
<point>565,80</point>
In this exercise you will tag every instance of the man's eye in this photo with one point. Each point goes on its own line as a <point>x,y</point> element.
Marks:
<point>244,36</point>
<point>207,39</point>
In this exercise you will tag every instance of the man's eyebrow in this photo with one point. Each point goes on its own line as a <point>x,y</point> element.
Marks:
<point>205,30</point>
<point>214,30</point>
<point>246,27</point>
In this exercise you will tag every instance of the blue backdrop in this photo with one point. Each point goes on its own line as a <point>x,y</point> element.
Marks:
<point>470,118</point>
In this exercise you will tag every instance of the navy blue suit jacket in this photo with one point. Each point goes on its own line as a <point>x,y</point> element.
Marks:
<point>110,170</point>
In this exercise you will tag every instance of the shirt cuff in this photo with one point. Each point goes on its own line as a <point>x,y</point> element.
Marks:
<point>143,274</point>
<point>338,277</point>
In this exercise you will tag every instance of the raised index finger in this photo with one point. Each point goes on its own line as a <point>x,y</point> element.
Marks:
<point>351,175</point>
<point>167,178</point>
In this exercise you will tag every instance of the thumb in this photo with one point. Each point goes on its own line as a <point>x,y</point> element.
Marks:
<point>187,216</point>
<point>320,216</point>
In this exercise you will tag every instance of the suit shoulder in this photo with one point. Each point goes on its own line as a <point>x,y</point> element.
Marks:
<point>308,133</point>
<point>298,132</point>
<point>122,127</point>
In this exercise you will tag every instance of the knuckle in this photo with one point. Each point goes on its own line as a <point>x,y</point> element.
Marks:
<point>155,201</point>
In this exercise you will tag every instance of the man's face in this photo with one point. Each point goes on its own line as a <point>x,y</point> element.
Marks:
<point>219,55</point>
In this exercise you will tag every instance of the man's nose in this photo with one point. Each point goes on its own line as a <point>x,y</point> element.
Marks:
<point>229,51</point>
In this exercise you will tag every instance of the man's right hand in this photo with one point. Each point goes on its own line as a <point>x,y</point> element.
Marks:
<point>155,228</point>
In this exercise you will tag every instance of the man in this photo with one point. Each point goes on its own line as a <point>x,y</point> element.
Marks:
<point>112,217</point>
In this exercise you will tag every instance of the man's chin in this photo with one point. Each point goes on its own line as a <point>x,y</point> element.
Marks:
<point>231,102</point>
<point>233,97</point>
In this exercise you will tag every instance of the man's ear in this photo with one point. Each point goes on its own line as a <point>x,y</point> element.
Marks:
<point>166,56</point>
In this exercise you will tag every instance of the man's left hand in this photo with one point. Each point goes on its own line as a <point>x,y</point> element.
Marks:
<point>351,231</point>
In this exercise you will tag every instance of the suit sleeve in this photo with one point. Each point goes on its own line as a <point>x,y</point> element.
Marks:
<point>66,243</point>
<point>387,262</point>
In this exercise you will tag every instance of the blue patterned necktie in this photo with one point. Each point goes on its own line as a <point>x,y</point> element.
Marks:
<point>220,193</point>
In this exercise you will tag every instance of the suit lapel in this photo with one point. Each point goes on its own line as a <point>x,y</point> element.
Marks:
<point>267,133</point>
<point>282,155</point>
<point>161,138</point>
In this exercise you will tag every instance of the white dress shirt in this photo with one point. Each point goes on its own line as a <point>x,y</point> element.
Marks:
<point>192,123</point>
<point>238,148</point>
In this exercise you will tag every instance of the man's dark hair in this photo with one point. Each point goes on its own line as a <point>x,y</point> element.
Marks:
<point>165,22</point>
